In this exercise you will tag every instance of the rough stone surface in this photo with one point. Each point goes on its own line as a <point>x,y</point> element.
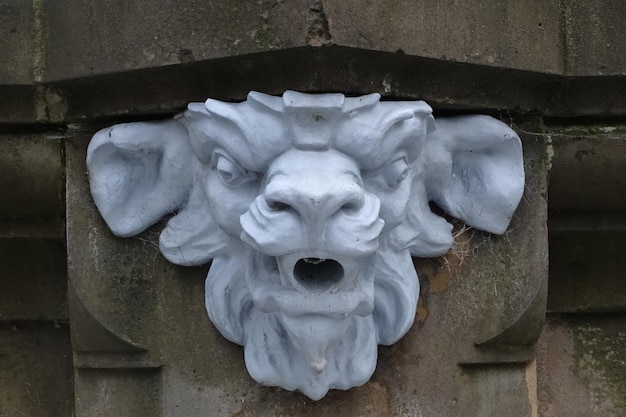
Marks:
<point>490,391</point>
<point>153,309</point>
<point>120,35</point>
<point>35,351</point>
<point>513,34</point>
<point>581,366</point>
<point>117,392</point>
<point>444,84</point>
<point>524,35</point>
<point>587,221</point>
<point>33,281</point>
<point>588,168</point>
<point>31,176</point>
<point>587,270</point>
<point>593,32</point>
<point>17,104</point>
<point>35,369</point>
<point>16,42</point>
<point>91,38</point>
<point>72,61</point>
<point>328,69</point>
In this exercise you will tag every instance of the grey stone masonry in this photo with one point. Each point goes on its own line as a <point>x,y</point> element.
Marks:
<point>528,324</point>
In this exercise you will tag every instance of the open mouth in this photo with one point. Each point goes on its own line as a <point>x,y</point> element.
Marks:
<point>318,273</point>
<point>312,283</point>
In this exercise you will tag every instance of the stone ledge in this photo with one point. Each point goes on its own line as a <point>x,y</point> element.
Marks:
<point>31,177</point>
<point>444,84</point>
<point>588,168</point>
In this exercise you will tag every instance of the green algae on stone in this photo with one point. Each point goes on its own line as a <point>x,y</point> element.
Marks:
<point>600,353</point>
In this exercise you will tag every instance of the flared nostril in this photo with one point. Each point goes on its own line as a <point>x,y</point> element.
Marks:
<point>277,205</point>
<point>353,201</point>
<point>315,203</point>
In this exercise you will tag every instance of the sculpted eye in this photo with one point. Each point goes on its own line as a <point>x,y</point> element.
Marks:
<point>229,171</point>
<point>395,172</point>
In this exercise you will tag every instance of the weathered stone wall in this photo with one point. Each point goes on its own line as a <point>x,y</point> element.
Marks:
<point>141,343</point>
<point>67,61</point>
<point>582,350</point>
<point>35,350</point>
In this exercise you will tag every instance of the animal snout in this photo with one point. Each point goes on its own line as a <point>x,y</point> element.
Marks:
<point>318,197</point>
<point>314,184</point>
<point>314,202</point>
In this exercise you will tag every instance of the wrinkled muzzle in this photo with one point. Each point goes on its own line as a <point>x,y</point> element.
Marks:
<point>314,230</point>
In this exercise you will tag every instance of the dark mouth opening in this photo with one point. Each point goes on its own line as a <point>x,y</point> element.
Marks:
<point>317,273</point>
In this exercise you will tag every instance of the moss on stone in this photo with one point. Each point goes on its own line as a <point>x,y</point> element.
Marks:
<point>600,355</point>
<point>585,130</point>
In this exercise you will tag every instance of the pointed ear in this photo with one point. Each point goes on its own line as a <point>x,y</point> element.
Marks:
<point>139,172</point>
<point>475,170</point>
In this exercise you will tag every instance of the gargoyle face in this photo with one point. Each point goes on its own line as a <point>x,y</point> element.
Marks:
<point>310,207</point>
<point>312,232</point>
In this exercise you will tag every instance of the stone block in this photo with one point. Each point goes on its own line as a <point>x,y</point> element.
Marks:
<point>118,392</point>
<point>581,370</point>
<point>523,35</point>
<point>587,265</point>
<point>35,369</point>
<point>587,96</point>
<point>31,177</point>
<point>588,169</point>
<point>512,34</point>
<point>594,37</point>
<point>544,36</point>
<point>16,42</point>
<point>443,84</point>
<point>90,37</point>
<point>33,279</point>
<point>64,46</point>
<point>496,391</point>
<point>129,95</point>
<point>17,104</point>
<point>136,313</point>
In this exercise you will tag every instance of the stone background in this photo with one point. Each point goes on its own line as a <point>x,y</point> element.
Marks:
<point>94,325</point>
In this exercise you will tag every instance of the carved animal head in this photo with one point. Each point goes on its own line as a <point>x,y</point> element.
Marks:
<point>310,207</point>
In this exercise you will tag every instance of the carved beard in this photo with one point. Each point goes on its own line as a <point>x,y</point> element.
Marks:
<point>312,353</point>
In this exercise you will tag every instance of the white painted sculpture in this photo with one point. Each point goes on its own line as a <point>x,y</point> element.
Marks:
<point>310,206</point>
